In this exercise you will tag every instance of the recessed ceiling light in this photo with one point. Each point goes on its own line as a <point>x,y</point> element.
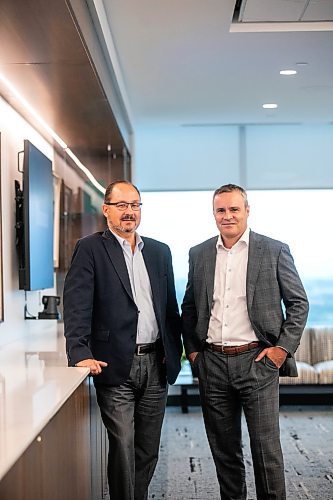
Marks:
<point>270,106</point>
<point>288,72</point>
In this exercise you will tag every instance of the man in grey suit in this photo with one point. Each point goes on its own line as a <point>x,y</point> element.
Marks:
<point>238,338</point>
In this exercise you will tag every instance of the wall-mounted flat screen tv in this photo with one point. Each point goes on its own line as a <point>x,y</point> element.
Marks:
<point>34,221</point>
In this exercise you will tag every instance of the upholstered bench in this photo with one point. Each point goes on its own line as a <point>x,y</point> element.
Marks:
<point>322,354</point>
<point>314,358</point>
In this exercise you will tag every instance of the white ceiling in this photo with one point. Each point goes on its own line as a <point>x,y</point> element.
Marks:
<point>179,64</point>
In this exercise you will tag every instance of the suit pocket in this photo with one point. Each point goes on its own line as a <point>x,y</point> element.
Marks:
<point>195,364</point>
<point>270,363</point>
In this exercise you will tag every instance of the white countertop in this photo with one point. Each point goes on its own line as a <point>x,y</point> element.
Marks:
<point>34,383</point>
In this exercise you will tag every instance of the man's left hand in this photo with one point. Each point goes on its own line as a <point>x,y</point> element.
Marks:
<point>275,354</point>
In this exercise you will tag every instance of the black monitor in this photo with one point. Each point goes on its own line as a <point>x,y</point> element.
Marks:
<point>34,221</point>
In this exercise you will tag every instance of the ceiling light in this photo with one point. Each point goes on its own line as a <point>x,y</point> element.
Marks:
<point>270,106</point>
<point>51,132</point>
<point>32,112</point>
<point>288,72</point>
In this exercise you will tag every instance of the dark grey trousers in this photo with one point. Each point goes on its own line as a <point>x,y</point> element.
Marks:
<point>229,384</point>
<point>133,414</point>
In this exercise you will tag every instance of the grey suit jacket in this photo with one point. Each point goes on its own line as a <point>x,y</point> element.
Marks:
<point>276,300</point>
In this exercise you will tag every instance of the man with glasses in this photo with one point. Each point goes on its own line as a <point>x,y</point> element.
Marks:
<point>237,337</point>
<point>122,322</point>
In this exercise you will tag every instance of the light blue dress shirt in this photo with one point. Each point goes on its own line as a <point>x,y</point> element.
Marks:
<point>147,331</point>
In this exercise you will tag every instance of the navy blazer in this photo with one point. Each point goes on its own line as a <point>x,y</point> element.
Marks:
<point>100,314</point>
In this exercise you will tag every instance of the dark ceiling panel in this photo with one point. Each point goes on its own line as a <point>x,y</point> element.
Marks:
<point>42,55</point>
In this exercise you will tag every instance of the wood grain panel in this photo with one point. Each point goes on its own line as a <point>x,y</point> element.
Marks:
<point>43,56</point>
<point>57,464</point>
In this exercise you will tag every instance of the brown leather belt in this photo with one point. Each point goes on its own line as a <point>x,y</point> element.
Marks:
<point>233,350</point>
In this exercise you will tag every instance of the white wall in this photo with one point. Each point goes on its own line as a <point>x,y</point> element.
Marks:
<point>14,129</point>
<point>186,158</point>
<point>13,132</point>
<point>257,157</point>
<point>290,156</point>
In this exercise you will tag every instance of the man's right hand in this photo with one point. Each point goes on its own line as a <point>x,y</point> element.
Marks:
<point>94,365</point>
<point>192,357</point>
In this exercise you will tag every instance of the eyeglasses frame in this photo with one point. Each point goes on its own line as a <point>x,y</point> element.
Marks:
<point>125,203</point>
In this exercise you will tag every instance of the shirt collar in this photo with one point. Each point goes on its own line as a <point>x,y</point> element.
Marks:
<point>139,244</point>
<point>244,239</point>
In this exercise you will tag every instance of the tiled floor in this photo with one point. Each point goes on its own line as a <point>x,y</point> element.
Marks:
<point>186,471</point>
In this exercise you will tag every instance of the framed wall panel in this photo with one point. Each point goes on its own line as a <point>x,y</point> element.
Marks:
<point>56,219</point>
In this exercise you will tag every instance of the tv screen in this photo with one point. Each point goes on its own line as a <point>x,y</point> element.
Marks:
<point>36,272</point>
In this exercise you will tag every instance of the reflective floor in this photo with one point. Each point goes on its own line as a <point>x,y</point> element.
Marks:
<point>186,471</point>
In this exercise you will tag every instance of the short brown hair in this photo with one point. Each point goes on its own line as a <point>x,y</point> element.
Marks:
<point>109,189</point>
<point>229,188</point>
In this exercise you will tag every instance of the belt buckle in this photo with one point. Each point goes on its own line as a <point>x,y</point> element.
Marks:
<point>138,350</point>
<point>222,348</point>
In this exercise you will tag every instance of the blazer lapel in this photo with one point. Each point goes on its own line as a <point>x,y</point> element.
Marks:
<point>253,265</point>
<point>209,267</point>
<point>116,255</point>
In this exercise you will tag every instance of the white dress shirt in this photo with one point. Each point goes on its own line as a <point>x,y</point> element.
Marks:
<point>147,331</point>
<point>229,323</point>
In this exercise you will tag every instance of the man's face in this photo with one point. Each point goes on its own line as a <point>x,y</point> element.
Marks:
<point>123,223</point>
<point>231,216</point>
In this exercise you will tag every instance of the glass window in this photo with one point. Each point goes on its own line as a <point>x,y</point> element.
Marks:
<point>301,218</point>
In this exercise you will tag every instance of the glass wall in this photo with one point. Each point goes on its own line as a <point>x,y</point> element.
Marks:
<point>300,218</point>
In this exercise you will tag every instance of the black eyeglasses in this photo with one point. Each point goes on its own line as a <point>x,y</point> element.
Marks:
<point>123,205</point>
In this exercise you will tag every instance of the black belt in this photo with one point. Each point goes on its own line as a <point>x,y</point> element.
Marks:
<point>233,350</point>
<point>142,349</point>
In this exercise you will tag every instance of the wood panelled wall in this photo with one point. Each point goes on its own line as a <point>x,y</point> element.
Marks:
<point>68,459</point>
